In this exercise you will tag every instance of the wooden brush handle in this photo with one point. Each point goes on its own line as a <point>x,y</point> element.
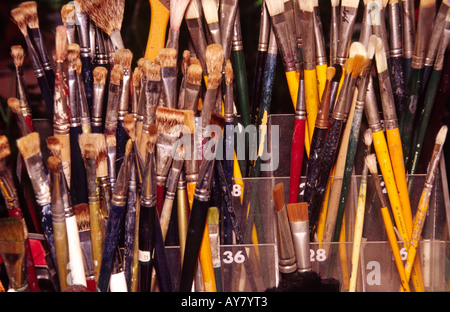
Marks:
<point>311,99</point>
<point>78,186</point>
<point>159,18</point>
<point>297,151</point>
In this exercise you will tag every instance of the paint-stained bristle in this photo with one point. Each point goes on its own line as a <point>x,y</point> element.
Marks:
<point>168,57</point>
<point>89,151</point>
<point>14,105</point>
<point>53,164</point>
<point>297,212</point>
<point>12,230</point>
<point>214,80</point>
<point>210,11</point>
<point>31,13</point>
<point>29,145</point>
<point>100,73</point>
<point>106,14</point>
<point>82,216</point>
<point>194,74</point>
<point>68,13</point>
<point>177,10</point>
<point>169,120</point>
<point>84,140</point>
<point>61,43</point>
<point>278,196</point>
<point>275,7</point>
<point>368,137</point>
<point>78,66</point>
<point>213,216</point>
<point>116,74</point>
<point>20,19</point>
<point>18,55</point>
<point>137,76</point>
<point>54,146</point>
<point>101,160</point>
<point>128,124</point>
<point>442,134</point>
<point>179,153</point>
<point>214,57</point>
<point>5,150</point>
<point>228,72</point>
<point>193,10</point>
<point>371,161</point>
<point>217,119</point>
<point>380,56</point>
<point>331,71</point>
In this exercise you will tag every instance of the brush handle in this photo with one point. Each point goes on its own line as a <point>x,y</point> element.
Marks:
<point>122,138</point>
<point>39,44</point>
<point>398,83</point>
<point>311,99</point>
<point>75,252</point>
<point>228,173</point>
<point>112,234</point>
<point>241,86</point>
<point>161,264</point>
<point>147,219</point>
<point>257,86</point>
<point>88,79</point>
<point>160,194</point>
<point>293,82</point>
<point>62,252</point>
<point>47,225</point>
<point>130,227</point>
<point>297,151</point>
<point>159,17</point>
<point>78,186</point>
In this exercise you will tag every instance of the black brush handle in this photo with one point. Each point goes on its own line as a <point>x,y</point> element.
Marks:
<point>88,79</point>
<point>147,217</point>
<point>130,225</point>
<point>78,186</point>
<point>121,140</point>
<point>258,86</point>
<point>398,84</point>
<point>161,264</point>
<point>228,167</point>
<point>39,44</point>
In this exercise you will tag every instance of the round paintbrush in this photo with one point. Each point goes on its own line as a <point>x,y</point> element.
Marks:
<point>168,63</point>
<point>68,19</point>
<point>100,74</point>
<point>14,105</point>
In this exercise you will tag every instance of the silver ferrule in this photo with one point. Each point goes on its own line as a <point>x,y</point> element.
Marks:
<point>371,108</point>
<point>73,99</point>
<point>82,21</point>
<point>309,44</point>
<point>423,34</point>
<point>34,58</point>
<point>408,28</point>
<point>22,93</point>
<point>202,195</point>
<point>441,51</point>
<point>214,240</point>
<point>300,109</point>
<point>172,39</point>
<point>196,31</point>
<point>169,86</point>
<point>135,101</point>
<point>152,93</point>
<point>97,107</point>
<point>334,33</point>
<point>101,57</point>
<point>346,26</point>
<point>164,153</point>
<point>280,27</point>
<point>236,40</point>
<point>148,189</point>
<point>208,106</point>
<point>39,179</point>
<point>264,29</point>
<point>292,34</point>
<point>228,104</point>
<point>300,239</point>
<point>174,175</point>
<point>366,27</point>
<point>214,31</point>
<point>57,202</point>
<point>379,29</point>
<point>436,34</point>
<point>228,10</point>
<point>124,100</point>
<point>387,100</point>
<point>191,163</point>
<point>91,178</point>
<point>321,53</point>
<point>340,106</point>
<point>92,40</point>
<point>395,34</point>
<point>111,152</point>
<point>191,96</point>
<point>70,31</point>
<point>286,252</point>
<point>149,116</point>
<point>112,107</point>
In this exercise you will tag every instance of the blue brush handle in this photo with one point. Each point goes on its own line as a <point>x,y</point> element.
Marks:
<point>130,226</point>
<point>121,140</point>
<point>47,226</point>
<point>147,216</point>
<point>88,80</point>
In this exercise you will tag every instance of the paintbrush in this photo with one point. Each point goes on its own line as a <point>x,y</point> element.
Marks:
<point>111,143</point>
<point>159,18</point>
<point>208,109</point>
<point>377,10</point>
<point>168,63</point>
<point>19,17</point>
<point>123,57</point>
<point>31,15</point>
<point>30,149</point>
<point>422,208</point>
<point>286,252</point>
<point>299,224</point>
<point>318,138</point>
<point>211,14</point>
<point>18,57</point>
<point>14,105</point>
<point>214,238</point>
<point>114,223</point>
<point>176,15</point>
<point>408,35</point>
<point>423,34</point>
<point>184,66</point>
<point>348,14</point>
<point>290,16</point>
<point>115,83</point>
<point>108,16</point>
<point>68,20</point>
<point>366,24</point>
<point>89,152</point>
<point>136,91</point>
<point>227,16</point>
<point>85,117</point>
<point>334,30</point>
<point>13,252</point>
<point>82,215</point>
<point>192,88</point>
<point>194,22</point>
<point>215,62</point>
<point>100,74</point>
<point>182,212</point>
<point>371,162</point>
<point>59,225</point>
<point>321,52</point>
<point>430,96</point>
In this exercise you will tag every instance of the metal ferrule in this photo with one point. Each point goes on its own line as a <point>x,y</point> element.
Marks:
<point>174,175</point>
<point>280,28</point>
<point>135,101</point>
<point>105,192</point>
<point>362,88</point>
<point>83,104</point>
<point>395,34</point>
<point>300,238</point>
<point>121,187</point>
<point>195,28</point>
<point>436,34</point>
<point>92,40</point>
<point>172,39</point>
<point>73,98</point>
<point>236,40</point>
<point>97,107</point>
<point>22,93</point>
<point>387,101</point>
<point>111,152</point>
<point>124,100</point>
<point>214,31</point>
<point>380,31</point>
<point>70,31</point>
<point>39,44</point>
<point>101,57</point>
<point>149,117</point>
<point>116,40</point>
<point>228,104</point>
<point>264,29</point>
<point>408,28</point>
<point>164,152</point>
<point>203,186</point>
<point>57,204</point>
<point>371,108</point>
<point>34,58</point>
<point>148,190</point>
<point>191,96</point>
<point>169,86</point>
<point>9,192</point>
<point>440,56</point>
<point>292,35</point>
<point>300,111</point>
<point>82,21</point>
<point>423,34</point>
<point>228,10</point>
<point>308,45</point>
<point>324,109</point>
<point>334,31</point>
<point>346,25</point>
<point>208,106</point>
<point>214,239</point>
<point>112,107</point>
<point>366,27</point>
<point>286,252</point>
<point>320,39</point>
<point>152,93</point>
<point>191,164</point>
<point>68,208</point>
<point>340,106</point>
<point>119,199</point>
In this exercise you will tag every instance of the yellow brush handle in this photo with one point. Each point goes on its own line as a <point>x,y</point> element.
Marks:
<point>343,256</point>
<point>62,252</point>
<point>159,18</point>
<point>96,235</point>
<point>311,99</point>
<point>206,264</point>
<point>292,81</point>
<point>321,78</point>
<point>321,223</point>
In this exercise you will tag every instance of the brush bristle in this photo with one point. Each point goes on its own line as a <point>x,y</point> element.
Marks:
<point>169,120</point>
<point>101,161</point>
<point>14,105</point>
<point>116,74</point>
<point>137,76</point>
<point>82,216</point>
<point>106,14</point>
<point>123,57</point>
<point>128,124</point>
<point>194,60</point>
<point>84,140</point>
<point>177,10</point>
<point>193,10</point>
<point>18,55</point>
<point>214,57</point>
<point>442,134</point>
<point>54,146</point>
<point>297,212</point>
<point>89,151</point>
<point>306,5</point>
<point>368,137</point>
<point>331,71</point>
<point>68,13</point>
<point>371,46</point>
<point>185,60</point>
<point>168,57</point>
<point>151,138</point>
<point>371,162</point>
<point>213,216</point>
<point>380,56</point>
<point>53,164</point>
<point>100,73</point>
<point>128,147</point>
<point>29,145</point>
<point>111,140</point>
<point>214,80</point>
<point>278,196</point>
<point>5,150</point>
<point>210,11</point>
<point>30,10</point>
<point>73,53</point>
<point>275,7</point>
<point>152,71</point>
<point>20,19</point>
<point>12,230</point>
<point>179,153</point>
<point>348,66</point>
<point>228,72</point>
<point>217,120</point>
<point>61,43</point>
<point>189,120</point>
<point>194,74</point>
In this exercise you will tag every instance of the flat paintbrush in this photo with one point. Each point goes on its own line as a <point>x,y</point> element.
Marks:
<point>159,19</point>
<point>14,106</point>
<point>348,14</point>
<point>68,20</point>
<point>211,14</point>
<point>299,224</point>
<point>19,17</point>
<point>228,10</point>
<point>321,53</point>
<point>31,15</point>
<point>100,75</point>
<point>184,66</point>
<point>194,22</point>
<point>408,34</point>
<point>176,15</point>
<point>168,63</point>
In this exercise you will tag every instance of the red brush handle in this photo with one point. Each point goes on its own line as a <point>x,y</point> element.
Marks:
<point>160,190</point>
<point>297,149</point>
<point>29,121</point>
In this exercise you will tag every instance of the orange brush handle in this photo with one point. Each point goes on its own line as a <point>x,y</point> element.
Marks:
<point>159,18</point>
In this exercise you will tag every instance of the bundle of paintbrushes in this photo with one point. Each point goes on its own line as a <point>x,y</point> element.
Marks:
<point>145,157</point>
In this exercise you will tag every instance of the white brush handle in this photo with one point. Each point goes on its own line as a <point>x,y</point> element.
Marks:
<point>75,253</point>
<point>118,282</point>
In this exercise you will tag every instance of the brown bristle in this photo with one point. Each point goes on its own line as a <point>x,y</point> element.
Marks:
<point>128,124</point>
<point>73,53</point>
<point>214,57</point>
<point>297,212</point>
<point>137,76</point>
<point>14,105</point>
<point>278,196</point>
<point>5,150</point>
<point>229,74</point>
<point>54,146</point>
<point>61,43</point>
<point>53,164</point>
<point>106,14</point>
<point>30,10</point>
<point>194,74</point>
<point>116,74</point>
<point>111,140</point>
<point>156,60</point>
<point>189,120</point>
<point>151,138</point>
<point>179,153</point>
<point>101,161</point>
<point>89,151</point>
<point>349,65</point>
<point>12,230</point>
<point>168,57</point>
<point>78,66</point>
<point>359,64</point>
<point>18,55</point>
<point>141,61</point>
<point>177,10</point>
<point>100,73</point>
<point>168,120</point>
<point>331,71</point>
<point>82,216</point>
<point>194,60</point>
<point>210,11</point>
<point>68,13</point>
<point>20,19</point>
<point>128,147</point>
<point>217,120</point>
<point>29,145</point>
<point>126,58</point>
<point>85,139</point>
<point>152,71</point>
<point>185,61</point>
<point>214,80</point>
